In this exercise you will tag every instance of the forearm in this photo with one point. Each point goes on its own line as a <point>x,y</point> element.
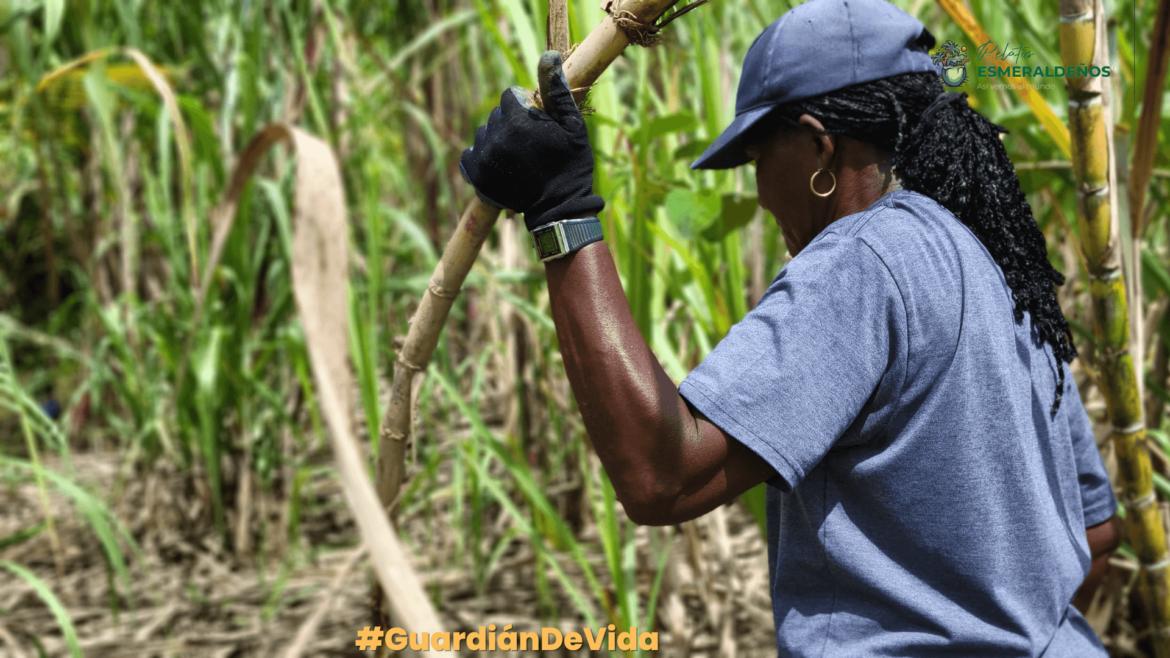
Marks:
<point>635,417</point>
<point>668,463</point>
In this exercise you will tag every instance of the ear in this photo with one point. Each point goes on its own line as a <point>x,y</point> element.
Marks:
<point>826,144</point>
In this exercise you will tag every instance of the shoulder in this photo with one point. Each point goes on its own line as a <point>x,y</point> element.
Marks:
<point>898,217</point>
<point>836,258</point>
<point>921,242</point>
<point>837,275</point>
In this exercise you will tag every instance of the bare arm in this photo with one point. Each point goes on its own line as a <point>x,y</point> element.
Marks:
<point>667,462</point>
<point>1104,538</point>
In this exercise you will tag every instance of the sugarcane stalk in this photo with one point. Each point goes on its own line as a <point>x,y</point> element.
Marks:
<point>1144,141</point>
<point>557,27</point>
<point>1082,43</point>
<point>1146,137</point>
<point>582,69</point>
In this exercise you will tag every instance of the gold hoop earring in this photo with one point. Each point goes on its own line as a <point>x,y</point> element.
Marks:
<point>813,179</point>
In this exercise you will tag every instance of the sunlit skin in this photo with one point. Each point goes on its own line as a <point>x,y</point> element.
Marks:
<point>786,162</point>
<point>667,462</point>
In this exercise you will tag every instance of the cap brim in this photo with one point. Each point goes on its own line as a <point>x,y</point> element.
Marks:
<point>727,151</point>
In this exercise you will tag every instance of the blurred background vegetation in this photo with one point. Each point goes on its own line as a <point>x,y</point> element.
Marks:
<point>138,440</point>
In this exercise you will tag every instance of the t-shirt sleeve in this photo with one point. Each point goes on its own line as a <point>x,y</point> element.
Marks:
<point>1097,499</point>
<point>819,362</point>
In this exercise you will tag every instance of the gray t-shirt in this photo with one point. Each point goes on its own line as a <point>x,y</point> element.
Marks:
<point>926,502</point>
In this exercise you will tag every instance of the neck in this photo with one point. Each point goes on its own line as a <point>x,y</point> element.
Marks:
<point>887,179</point>
<point>862,187</point>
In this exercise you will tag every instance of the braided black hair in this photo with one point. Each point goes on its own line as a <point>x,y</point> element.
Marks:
<point>952,154</point>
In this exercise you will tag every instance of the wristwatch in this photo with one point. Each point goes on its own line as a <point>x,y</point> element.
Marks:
<point>562,238</point>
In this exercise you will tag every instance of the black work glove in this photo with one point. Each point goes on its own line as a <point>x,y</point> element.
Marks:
<point>530,162</point>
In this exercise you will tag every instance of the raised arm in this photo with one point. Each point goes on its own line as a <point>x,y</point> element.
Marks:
<point>667,462</point>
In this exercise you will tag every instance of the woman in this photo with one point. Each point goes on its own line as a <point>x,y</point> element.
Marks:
<point>934,484</point>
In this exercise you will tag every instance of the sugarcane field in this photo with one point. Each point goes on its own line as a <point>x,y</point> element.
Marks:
<point>694,328</point>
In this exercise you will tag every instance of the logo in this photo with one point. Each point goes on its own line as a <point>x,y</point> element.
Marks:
<point>1011,55</point>
<point>990,61</point>
<point>953,59</point>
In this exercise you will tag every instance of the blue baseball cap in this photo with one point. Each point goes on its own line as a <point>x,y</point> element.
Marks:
<point>815,48</point>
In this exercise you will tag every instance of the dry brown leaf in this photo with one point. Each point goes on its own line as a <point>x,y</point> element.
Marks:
<point>320,258</point>
<point>309,628</point>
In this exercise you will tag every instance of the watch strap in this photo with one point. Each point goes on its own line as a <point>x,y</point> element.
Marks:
<point>561,238</point>
<point>581,232</point>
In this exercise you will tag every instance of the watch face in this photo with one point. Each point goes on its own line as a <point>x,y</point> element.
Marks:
<point>546,243</point>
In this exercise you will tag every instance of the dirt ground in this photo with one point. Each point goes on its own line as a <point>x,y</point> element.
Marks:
<point>188,596</point>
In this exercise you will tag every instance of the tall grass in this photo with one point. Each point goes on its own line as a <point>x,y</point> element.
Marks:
<point>100,196</point>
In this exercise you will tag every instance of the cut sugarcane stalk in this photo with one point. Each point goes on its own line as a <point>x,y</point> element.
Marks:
<point>582,68</point>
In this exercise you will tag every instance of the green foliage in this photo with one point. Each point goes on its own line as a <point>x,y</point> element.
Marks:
<point>93,177</point>
<point>46,594</point>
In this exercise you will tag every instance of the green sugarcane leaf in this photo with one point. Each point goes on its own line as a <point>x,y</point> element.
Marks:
<point>671,123</point>
<point>1084,332</point>
<point>204,141</point>
<point>54,12</point>
<point>1159,437</point>
<point>1156,274</point>
<point>430,35</point>
<point>755,499</point>
<point>535,314</point>
<point>692,210</point>
<point>690,150</point>
<point>22,536</point>
<point>50,600</point>
<point>736,213</point>
<point>12,12</point>
<point>523,30</point>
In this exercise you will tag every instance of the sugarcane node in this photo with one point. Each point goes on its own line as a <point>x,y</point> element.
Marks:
<point>1088,190</point>
<point>1140,503</point>
<point>1108,275</point>
<point>1111,355</point>
<point>440,291</point>
<point>1132,429</point>
<point>639,33</point>
<point>1157,566</point>
<point>388,433</point>
<point>409,365</point>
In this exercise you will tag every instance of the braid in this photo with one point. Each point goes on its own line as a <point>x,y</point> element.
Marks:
<point>953,155</point>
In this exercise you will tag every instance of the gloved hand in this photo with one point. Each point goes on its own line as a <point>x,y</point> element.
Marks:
<point>530,162</point>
